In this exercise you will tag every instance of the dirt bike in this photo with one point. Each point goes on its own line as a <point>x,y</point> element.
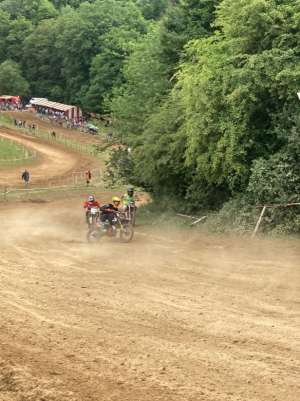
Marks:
<point>93,215</point>
<point>130,212</point>
<point>120,226</point>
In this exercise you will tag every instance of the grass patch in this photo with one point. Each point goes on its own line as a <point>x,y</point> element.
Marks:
<point>12,153</point>
<point>154,214</point>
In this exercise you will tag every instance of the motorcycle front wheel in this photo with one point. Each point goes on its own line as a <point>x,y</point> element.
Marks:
<point>126,233</point>
<point>93,236</point>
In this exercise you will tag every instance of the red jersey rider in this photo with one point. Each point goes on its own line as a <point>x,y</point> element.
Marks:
<point>91,202</point>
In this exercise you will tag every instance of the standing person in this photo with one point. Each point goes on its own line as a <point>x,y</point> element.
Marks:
<point>26,177</point>
<point>88,177</point>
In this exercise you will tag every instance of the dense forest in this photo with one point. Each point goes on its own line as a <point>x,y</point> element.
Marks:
<point>204,92</point>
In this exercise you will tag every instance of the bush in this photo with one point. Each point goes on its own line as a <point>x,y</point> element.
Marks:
<point>236,216</point>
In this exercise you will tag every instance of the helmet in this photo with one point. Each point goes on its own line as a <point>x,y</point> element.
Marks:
<point>116,199</point>
<point>130,190</point>
<point>91,198</point>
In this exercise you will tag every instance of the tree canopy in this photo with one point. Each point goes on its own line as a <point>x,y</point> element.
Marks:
<point>11,79</point>
<point>202,91</point>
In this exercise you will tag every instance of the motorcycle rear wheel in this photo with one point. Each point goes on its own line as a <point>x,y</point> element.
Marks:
<point>126,233</point>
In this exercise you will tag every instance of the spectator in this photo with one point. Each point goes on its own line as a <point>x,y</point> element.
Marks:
<point>88,177</point>
<point>26,177</point>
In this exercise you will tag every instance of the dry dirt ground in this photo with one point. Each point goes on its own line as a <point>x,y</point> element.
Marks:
<point>172,316</point>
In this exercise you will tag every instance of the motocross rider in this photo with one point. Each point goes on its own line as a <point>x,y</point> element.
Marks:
<point>91,202</point>
<point>128,198</point>
<point>109,210</point>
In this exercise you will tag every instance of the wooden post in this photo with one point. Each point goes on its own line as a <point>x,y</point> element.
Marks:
<point>5,193</point>
<point>198,220</point>
<point>259,221</point>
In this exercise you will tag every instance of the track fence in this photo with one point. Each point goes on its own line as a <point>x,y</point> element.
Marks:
<point>27,154</point>
<point>72,182</point>
<point>52,136</point>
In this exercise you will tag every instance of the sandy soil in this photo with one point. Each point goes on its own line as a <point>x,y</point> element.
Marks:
<point>172,316</point>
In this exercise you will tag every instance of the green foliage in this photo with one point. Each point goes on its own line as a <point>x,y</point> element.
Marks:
<point>106,67</point>
<point>11,79</point>
<point>159,151</point>
<point>152,9</point>
<point>72,3</point>
<point>277,179</point>
<point>12,154</point>
<point>226,125</point>
<point>34,10</point>
<point>119,167</point>
<point>202,91</point>
<point>146,84</point>
<point>74,55</point>
<point>236,216</point>
<point>84,34</point>
<point>42,62</point>
<point>4,31</point>
<point>232,99</point>
<point>186,20</point>
<point>19,29</point>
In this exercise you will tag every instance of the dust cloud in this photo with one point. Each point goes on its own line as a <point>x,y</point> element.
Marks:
<point>172,316</point>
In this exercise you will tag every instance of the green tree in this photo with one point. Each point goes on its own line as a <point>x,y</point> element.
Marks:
<point>183,21</point>
<point>18,30</point>
<point>153,9</point>
<point>34,10</point>
<point>82,36</point>
<point>11,80</point>
<point>106,67</point>
<point>42,63</point>
<point>146,84</point>
<point>238,94</point>
<point>4,31</point>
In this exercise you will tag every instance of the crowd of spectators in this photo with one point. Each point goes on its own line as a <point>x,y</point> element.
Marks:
<point>59,118</point>
<point>24,124</point>
<point>8,106</point>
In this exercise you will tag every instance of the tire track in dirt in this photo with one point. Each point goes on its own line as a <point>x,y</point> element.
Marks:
<point>197,319</point>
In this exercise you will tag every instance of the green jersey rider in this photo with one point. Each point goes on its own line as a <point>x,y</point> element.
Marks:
<point>129,206</point>
<point>128,198</point>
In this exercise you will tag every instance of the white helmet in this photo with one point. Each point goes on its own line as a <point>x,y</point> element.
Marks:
<point>91,198</point>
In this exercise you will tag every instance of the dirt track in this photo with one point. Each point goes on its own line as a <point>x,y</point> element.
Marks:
<point>52,160</point>
<point>173,316</point>
<point>163,318</point>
